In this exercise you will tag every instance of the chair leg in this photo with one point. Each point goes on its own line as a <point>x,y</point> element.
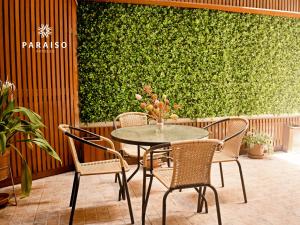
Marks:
<point>121,191</point>
<point>73,188</point>
<point>203,200</point>
<point>127,195</point>
<point>199,199</point>
<point>221,173</point>
<point>122,154</point>
<point>145,196</point>
<point>116,178</point>
<point>74,197</point>
<point>164,209</point>
<point>217,205</point>
<point>242,181</point>
<point>13,185</point>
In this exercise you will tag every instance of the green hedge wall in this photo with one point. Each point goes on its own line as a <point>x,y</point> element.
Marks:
<point>213,63</point>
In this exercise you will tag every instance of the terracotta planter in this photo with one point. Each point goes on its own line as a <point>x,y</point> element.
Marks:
<point>5,172</point>
<point>256,151</point>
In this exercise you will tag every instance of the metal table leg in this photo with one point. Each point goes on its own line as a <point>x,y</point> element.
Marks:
<point>138,164</point>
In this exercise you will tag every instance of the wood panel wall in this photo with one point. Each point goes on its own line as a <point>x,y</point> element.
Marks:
<point>46,80</point>
<point>289,8</point>
<point>275,126</point>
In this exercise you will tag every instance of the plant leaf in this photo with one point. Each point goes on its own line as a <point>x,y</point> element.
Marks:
<point>2,142</point>
<point>44,145</point>
<point>26,179</point>
<point>32,116</point>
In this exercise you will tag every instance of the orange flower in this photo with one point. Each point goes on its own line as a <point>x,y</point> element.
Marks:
<point>176,106</point>
<point>148,89</point>
<point>149,107</point>
<point>161,105</point>
<point>143,105</point>
<point>154,97</point>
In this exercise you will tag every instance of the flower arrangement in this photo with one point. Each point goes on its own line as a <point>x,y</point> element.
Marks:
<point>19,124</point>
<point>157,108</point>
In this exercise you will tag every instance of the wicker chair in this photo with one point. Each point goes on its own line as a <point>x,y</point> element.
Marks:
<point>234,129</point>
<point>111,166</point>
<point>130,119</point>
<point>191,169</point>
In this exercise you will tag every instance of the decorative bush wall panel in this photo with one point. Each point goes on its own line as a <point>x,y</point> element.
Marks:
<point>212,63</point>
<point>45,77</point>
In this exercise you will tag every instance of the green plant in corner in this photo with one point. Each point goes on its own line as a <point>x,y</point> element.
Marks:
<point>27,124</point>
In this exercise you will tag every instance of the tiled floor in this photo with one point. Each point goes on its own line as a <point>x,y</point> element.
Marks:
<point>272,186</point>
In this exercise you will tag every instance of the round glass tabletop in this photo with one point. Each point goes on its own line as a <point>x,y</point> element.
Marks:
<point>152,134</point>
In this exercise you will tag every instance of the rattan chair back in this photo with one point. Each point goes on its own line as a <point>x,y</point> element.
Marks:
<point>130,119</point>
<point>236,130</point>
<point>192,161</point>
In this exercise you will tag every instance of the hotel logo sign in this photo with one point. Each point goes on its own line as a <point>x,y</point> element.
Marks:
<point>44,46</point>
<point>44,30</point>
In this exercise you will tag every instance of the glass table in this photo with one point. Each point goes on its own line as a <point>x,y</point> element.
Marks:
<point>150,135</point>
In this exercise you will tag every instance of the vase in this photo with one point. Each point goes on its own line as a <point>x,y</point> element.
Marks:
<point>160,124</point>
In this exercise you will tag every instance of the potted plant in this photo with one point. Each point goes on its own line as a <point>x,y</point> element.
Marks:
<point>258,143</point>
<point>19,124</point>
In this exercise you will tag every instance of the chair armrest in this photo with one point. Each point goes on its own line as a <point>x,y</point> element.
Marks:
<point>161,148</point>
<point>234,135</point>
<point>214,123</point>
<point>100,138</point>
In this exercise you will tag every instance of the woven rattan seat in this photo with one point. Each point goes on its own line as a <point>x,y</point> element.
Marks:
<point>191,169</point>
<point>234,129</point>
<point>116,166</point>
<point>102,167</point>
<point>222,157</point>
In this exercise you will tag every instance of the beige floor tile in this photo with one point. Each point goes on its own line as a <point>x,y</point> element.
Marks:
<point>272,188</point>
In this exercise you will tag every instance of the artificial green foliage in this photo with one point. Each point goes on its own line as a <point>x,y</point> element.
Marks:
<point>212,63</point>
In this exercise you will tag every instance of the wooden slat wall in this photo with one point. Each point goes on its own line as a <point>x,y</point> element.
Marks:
<point>272,125</point>
<point>46,81</point>
<point>289,8</point>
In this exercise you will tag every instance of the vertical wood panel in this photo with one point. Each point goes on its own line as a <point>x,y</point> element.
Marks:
<point>46,79</point>
<point>271,125</point>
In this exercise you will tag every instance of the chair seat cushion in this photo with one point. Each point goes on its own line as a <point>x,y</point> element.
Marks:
<point>220,156</point>
<point>164,175</point>
<point>102,167</point>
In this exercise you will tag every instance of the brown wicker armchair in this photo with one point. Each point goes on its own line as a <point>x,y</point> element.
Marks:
<point>130,119</point>
<point>234,129</point>
<point>112,166</point>
<point>191,169</point>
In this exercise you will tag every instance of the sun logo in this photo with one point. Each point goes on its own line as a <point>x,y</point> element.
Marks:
<point>44,30</point>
